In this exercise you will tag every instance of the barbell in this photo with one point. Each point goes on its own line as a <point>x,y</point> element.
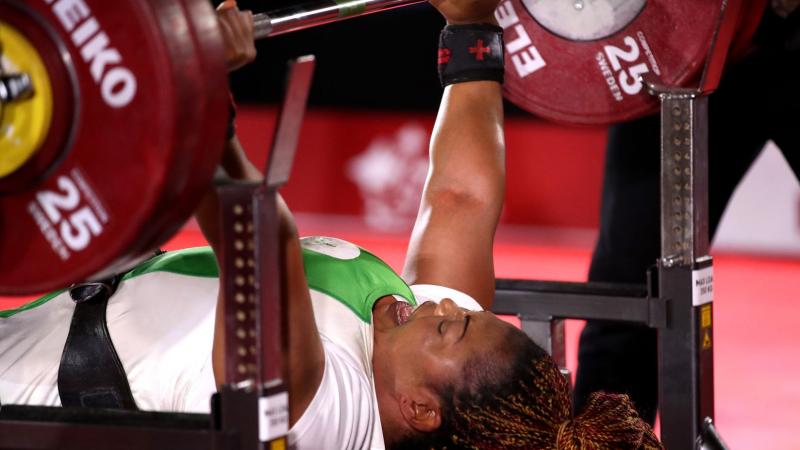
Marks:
<point>109,111</point>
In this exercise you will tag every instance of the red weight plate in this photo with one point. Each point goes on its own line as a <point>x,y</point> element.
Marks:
<point>207,135</point>
<point>183,62</point>
<point>578,61</point>
<point>199,66</point>
<point>93,206</point>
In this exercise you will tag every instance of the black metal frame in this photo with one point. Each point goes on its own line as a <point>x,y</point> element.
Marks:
<point>673,301</point>
<point>677,299</point>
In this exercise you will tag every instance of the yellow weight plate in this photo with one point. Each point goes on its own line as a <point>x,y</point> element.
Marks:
<point>23,123</point>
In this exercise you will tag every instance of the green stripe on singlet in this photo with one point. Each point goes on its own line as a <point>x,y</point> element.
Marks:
<point>38,302</point>
<point>356,283</point>
<point>350,7</point>
<point>195,262</point>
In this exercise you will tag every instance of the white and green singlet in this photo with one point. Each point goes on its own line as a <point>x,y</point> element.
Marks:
<point>161,320</point>
<point>345,282</point>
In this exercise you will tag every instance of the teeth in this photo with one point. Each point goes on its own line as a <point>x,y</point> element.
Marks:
<point>404,311</point>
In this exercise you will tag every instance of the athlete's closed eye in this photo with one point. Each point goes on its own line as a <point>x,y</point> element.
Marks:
<point>466,324</point>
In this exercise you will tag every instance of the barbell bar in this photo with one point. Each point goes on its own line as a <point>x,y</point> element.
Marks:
<point>307,15</point>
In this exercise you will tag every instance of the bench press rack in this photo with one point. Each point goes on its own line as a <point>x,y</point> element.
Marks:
<point>677,298</point>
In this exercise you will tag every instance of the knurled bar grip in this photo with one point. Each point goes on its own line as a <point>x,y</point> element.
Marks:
<point>316,13</point>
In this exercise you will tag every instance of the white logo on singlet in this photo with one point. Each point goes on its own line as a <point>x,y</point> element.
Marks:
<point>335,248</point>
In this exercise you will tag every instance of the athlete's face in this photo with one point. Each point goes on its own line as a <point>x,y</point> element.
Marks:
<point>438,341</point>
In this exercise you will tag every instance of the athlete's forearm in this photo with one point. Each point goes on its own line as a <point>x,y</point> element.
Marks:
<point>453,236</point>
<point>236,163</point>
<point>305,357</point>
<point>237,166</point>
<point>467,147</point>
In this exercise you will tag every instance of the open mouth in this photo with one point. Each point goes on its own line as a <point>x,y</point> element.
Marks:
<point>402,311</point>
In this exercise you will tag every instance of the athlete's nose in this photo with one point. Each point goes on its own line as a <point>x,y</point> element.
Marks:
<point>448,307</point>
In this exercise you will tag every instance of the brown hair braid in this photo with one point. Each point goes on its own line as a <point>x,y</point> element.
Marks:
<point>609,421</point>
<point>528,407</point>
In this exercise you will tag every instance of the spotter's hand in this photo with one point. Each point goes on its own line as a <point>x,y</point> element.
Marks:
<point>237,32</point>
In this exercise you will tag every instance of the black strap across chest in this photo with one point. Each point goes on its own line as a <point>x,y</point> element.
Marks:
<point>90,373</point>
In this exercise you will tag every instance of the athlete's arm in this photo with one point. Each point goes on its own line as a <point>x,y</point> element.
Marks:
<point>306,358</point>
<point>451,244</point>
<point>237,167</point>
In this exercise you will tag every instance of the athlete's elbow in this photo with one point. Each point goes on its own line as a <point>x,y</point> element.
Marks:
<point>479,193</point>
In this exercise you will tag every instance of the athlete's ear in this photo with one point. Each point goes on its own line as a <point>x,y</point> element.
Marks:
<point>421,411</point>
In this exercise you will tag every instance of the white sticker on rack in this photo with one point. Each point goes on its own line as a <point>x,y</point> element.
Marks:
<point>273,416</point>
<point>702,286</point>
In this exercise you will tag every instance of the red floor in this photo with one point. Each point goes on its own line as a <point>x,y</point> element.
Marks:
<point>756,334</point>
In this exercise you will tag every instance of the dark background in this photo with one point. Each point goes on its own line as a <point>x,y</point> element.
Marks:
<point>383,60</point>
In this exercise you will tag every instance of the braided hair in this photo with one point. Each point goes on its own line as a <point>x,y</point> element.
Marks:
<point>528,406</point>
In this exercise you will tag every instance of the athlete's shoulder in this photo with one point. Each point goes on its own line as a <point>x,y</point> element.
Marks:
<point>197,262</point>
<point>349,274</point>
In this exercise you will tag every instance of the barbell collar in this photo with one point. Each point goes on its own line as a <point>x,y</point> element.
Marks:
<point>13,87</point>
<point>317,13</point>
